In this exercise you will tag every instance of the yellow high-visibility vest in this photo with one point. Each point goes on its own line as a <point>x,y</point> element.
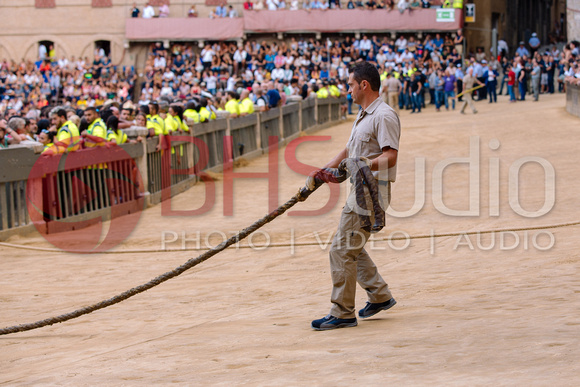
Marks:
<point>120,137</point>
<point>48,146</point>
<point>206,114</point>
<point>232,106</point>
<point>171,124</point>
<point>69,134</point>
<point>181,124</point>
<point>322,93</point>
<point>157,123</point>
<point>246,106</point>
<point>334,91</point>
<point>97,129</point>
<point>190,113</point>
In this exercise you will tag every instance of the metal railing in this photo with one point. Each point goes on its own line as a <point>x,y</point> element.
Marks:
<point>59,193</point>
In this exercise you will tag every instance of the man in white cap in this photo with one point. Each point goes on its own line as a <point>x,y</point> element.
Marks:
<point>534,43</point>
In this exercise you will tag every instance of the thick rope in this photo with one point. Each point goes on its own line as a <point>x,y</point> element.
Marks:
<point>300,196</point>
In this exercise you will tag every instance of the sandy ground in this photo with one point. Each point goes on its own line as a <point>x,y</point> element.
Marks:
<point>475,309</point>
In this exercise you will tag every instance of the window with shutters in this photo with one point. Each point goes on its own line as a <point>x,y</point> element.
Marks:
<point>45,3</point>
<point>102,3</point>
<point>157,3</point>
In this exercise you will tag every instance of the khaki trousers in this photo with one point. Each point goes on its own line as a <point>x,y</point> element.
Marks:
<point>384,97</point>
<point>394,101</point>
<point>467,100</point>
<point>349,264</point>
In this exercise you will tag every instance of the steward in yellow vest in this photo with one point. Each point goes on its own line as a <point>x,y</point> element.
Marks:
<point>232,105</point>
<point>68,132</point>
<point>246,104</point>
<point>192,112</point>
<point>96,134</point>
<point>155,123</point>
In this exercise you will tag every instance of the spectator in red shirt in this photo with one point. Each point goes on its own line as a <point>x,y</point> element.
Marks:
<point>511,83</point>
<point>248,5</point>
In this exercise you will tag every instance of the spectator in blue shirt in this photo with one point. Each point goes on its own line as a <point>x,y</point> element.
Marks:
<point>273,96</point>
<point>221,11</point>
<point>438,42</point>
<point>534,43</point>
<point>522,50</point>
<point>449,89</point>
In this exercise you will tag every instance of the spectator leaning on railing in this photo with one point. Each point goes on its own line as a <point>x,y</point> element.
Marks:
<point>7,135</point>
<point>67,132</point>
<point>148,11</point>
<point>164,9</point>
<point>135,11</point>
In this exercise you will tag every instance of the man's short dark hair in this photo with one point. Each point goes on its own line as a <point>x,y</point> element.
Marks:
<point>364,71</point>
<point>58,111</point>
<point>105,114</point>
<point>144,109</point>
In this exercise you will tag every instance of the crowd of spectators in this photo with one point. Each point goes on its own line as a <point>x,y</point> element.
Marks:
<point>297,67</point>
<point>226,79</point>
<point>76,81</point>
<point>149,11</point>
<point>223,10</point>
<point>27,89</point>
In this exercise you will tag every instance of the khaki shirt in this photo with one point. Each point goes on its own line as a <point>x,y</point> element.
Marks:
<point>375,128</point>
<point>393,85</point>
<point>468,82</point>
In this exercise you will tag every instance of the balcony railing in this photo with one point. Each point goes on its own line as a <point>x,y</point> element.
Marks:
<point>285,21</point>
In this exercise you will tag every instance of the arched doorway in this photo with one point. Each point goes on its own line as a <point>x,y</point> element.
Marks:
<point>45,49</point>
<point>103,47</point>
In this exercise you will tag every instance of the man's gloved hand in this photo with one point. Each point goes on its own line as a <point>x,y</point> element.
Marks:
<point>324,175</point>
<point>343,164</point>
<point>368,162</point>
<point>310,182</point>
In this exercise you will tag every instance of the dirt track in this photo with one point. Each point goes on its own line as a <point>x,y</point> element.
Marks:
<point>466,315</point>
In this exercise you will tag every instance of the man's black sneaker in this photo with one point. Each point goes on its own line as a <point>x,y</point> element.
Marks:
<point>372,309</point>
<point>331,322</point>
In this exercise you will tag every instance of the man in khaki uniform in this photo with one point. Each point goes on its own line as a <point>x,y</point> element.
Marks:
<point>468,81</point>
<point>392,88</point>
<point>375,138</point>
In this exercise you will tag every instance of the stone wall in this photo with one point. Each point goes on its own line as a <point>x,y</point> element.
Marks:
<point>573,19</point>
<point>573,99</point>
<point>74,26</point>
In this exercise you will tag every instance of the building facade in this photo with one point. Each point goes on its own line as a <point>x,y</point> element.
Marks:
<point>573,19</point>
<point>73,27</point>
<point>516,20</point>
<point>79,27</point>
